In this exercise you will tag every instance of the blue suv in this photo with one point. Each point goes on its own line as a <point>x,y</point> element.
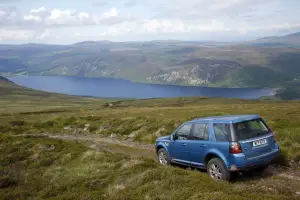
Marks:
<point>221,145</point>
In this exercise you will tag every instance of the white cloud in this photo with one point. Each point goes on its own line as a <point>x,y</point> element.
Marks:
<point>16,35</point>
<point>43,17</point>
<point>111,13</point>
<point>32,18</point>
<point>38,10</point>
<point>127,18</point>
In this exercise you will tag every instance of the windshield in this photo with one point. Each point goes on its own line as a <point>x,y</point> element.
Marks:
<point>250,129</point>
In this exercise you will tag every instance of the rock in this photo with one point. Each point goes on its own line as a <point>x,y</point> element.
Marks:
<point>298,193</point>
<point>93,146</point>
<point>109,105</point>
<point>51,148</point>
<point>86,127</point>
<point>113,135</point>
<point>132,135</point>
<point>67,128</point>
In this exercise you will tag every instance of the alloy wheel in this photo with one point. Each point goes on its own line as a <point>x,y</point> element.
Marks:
<point>215,171</point>
<point>163,158</point>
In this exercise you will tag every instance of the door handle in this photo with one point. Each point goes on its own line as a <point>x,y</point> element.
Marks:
<point>202,145</point>
<point>183,144</point>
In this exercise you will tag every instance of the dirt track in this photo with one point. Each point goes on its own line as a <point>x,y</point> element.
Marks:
<point>112,145</point>
<point>147,150</point>
<point>135,149</point>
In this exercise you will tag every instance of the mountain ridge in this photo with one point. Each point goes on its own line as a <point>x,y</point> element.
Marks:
<point>163,62</point>
<point>293,38</point>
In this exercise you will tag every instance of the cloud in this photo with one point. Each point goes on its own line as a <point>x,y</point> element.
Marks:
<point>151,18</point>
<point>111,13</point>
<point>16,35</point>
<point>44,17</point>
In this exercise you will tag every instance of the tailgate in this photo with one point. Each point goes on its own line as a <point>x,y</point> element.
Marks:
<point>257,146</point>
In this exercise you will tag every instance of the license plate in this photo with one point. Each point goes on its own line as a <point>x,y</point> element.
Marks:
<point>259,142</point>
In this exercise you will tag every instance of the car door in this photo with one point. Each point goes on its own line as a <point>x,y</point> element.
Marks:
<point>178,145</point>
<point>198,144</point>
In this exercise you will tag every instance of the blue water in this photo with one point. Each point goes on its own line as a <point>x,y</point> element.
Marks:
<point>107,87</point>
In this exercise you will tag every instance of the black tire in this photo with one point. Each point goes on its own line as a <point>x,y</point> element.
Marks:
<point>217,170</point>
<point>163,157</point>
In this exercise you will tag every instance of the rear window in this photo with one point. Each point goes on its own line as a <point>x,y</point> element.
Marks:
<point>250,129</point>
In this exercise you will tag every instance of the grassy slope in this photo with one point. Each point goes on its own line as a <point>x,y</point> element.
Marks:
<point>41,168</point>
<point>15,98</point>
<point>37,167</point>
<point>148,119</point>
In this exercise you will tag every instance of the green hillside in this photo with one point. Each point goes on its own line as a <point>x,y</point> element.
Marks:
<point>290,90</point>
<point>254,77</point>
<point>14,98</point>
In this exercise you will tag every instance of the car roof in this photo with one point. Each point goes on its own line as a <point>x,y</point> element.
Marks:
<point>225,119</point>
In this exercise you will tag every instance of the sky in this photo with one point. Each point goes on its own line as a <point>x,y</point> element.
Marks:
<point>71,21</point>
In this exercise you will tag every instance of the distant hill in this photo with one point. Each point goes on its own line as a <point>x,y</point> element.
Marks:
<point>266,62</point>
<point>14,97</point>
<point>290,90</point>
<point>287,39</point>
<point>5,80</point>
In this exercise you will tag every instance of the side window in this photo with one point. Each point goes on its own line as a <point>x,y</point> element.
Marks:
<point>200,132</point>
<point>183,132</point>
<point>222,132</point>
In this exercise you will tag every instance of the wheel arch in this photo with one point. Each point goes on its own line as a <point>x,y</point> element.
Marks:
<point>161,146</point>
<point>215,154</point>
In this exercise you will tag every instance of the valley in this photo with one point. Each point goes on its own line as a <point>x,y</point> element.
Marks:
<point>267,62</point>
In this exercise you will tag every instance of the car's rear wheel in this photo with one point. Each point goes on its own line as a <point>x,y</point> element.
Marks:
<point>217,170</point>
<point>163,157</point>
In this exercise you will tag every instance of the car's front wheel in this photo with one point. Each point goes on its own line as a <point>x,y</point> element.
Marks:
<point>163,156</point>
<point>217,170</point>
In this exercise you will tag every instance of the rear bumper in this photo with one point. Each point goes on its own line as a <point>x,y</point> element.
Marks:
<point>240,162</point>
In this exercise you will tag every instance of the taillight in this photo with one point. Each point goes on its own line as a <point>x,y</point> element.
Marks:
<point>235,148</point>
<point>274,138</point>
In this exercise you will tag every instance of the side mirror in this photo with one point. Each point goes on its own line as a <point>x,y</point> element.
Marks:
<point>174,137</point>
